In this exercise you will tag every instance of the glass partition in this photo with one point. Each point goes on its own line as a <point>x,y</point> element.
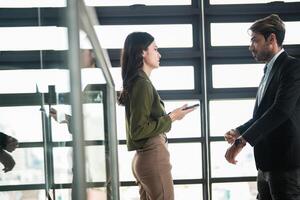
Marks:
<point>35,108</point>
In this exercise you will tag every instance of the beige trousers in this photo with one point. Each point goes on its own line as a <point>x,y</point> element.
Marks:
<point>152,170</point>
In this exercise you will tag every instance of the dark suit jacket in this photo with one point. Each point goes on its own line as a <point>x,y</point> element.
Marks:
<point>274,129</point>
<point>3,138</point>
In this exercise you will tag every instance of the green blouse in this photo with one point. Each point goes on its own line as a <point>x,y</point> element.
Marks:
<point>145,113</point>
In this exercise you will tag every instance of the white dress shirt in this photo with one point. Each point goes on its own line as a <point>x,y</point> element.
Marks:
<point>262,86</point>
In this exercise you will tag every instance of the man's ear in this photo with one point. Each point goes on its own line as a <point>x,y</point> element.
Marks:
<point>272,39</point>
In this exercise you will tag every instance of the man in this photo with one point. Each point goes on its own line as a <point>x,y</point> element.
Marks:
<point>7,143</point>
<point>274,129</point>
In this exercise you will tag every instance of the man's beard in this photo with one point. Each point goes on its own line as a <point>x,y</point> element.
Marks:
<point>263,56</point>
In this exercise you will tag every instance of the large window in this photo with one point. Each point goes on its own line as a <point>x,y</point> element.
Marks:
<point>237,34</point>
<point>233,191</point>
<point>236,75</point>
<point>181,34</point>
<point>240,111</point>
<point>62,3</point>
<point>174,78</point>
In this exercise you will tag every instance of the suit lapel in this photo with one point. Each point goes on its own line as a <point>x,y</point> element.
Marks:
<point>279,61</point>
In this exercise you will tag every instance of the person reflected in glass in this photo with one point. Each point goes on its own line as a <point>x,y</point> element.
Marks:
<point>274,129</point>
<point>146,120</point>
<point>7,144</point>
<point>88,61</point>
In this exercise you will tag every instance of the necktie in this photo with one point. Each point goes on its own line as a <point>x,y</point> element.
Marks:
<point>265,69</point>
<point>261,86</point>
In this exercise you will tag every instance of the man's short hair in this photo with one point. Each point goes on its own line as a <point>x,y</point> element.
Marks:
<point>268,25</point>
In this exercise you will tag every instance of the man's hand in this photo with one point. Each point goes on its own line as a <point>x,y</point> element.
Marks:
<point>7,160</point>
<point>11,144</point>
<point>53,113</point>
<point>233,151</point>
<point>231,136</point>
<point>59,117</point>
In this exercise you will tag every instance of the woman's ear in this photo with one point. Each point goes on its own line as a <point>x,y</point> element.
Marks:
<point>143,53</point>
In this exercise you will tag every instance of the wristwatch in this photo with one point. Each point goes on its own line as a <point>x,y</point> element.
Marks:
<point>239,141</point>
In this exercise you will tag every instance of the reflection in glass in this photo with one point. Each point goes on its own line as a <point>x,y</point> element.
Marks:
<point>236,75</point>
<point>237,34</point>
<point>63,163</point>
<point>181,36</point>
<point>92,109</point>
<point>221,168</point>
<point>233,191</point>
<point>239,112</point>
<point>246,1</point>
<point>60,131</point>
<point>93,122</point>
<point>15,121</point>
<point>95,164</point>
<point>29,168</point>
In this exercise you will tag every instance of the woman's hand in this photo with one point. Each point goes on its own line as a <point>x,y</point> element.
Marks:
<point>179,113</point>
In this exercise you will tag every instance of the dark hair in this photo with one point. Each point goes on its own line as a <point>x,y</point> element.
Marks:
<point>132,60</point>
<point>268,25</point>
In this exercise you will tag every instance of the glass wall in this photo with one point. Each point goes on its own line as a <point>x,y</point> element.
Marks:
<point>34,81</point>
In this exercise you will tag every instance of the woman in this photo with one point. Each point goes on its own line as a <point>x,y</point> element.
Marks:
<point>146,119</point>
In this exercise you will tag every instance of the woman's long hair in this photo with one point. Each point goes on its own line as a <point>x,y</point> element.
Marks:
<point>132,60</point>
